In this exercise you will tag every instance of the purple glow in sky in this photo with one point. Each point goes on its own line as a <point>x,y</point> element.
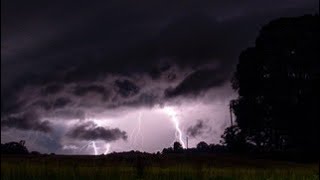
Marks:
<point>156,131</point>
<point>95,77</point>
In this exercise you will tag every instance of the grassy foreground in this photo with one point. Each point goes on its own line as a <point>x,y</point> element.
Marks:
<point>153,168</point>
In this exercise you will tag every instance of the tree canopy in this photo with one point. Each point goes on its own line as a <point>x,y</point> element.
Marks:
<point>278,84</point>
<point>14,148</point>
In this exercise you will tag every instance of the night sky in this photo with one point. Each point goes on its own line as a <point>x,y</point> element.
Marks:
<point>122,75</point>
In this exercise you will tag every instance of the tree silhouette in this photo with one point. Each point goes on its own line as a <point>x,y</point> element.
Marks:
<point>235,140</point>
<point>202,147</point>
<point>35,153</point>
<point>278,85</point>
<point>167,150</point>
<point>177,147</point>
<point>14,148</point>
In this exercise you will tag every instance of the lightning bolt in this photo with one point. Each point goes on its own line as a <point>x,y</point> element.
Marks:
<point>83,147</point>
<point>172,113</point>
<point>107,149</point>
<point>136,132</point>
<point>94,148</point>
<point>92,144</point>
<point>132,135</point>
<point>139,129</point>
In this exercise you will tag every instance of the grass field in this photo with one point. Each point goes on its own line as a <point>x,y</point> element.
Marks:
<point>152,167</point>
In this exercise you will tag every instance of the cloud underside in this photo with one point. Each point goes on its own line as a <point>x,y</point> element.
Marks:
<point>26,121</point>
<point>197,130</point>
<point>88,58</point>
<point>89,131</point>
<point>182,62</point>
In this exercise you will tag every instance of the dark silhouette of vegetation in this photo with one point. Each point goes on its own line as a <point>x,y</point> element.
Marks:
<point>234,140</point>
<point>278,84</point>
<point>35,153</point>
<point>202,147</point>
<point>177,147</point>
<point>140,166</point>
<point>14,148</point>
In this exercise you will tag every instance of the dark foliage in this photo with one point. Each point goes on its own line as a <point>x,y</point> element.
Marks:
<point>177,147</point>
<point>278,85</point>
<point>35,153</point>
<point>235,140</point>
<point>140,166</point>
<point>14,148</point>
<point>202,147</point>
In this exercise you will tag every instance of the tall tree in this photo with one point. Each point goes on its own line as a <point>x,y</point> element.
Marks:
<point>278,83</point>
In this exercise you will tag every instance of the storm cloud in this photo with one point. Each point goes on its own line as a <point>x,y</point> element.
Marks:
<point>51,89</point>
<point>197,82</point>
<point>95,89</point>
<point>198,129</point>
<point>180,53</point>
<point>26,121</point>
<point>61,102</point>
<point>70,61</point>
<point>126,88</point>
<point>91,131</point>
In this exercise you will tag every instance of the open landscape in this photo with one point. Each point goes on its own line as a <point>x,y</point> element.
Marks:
<point>160,90</point>
<point>154,167</point>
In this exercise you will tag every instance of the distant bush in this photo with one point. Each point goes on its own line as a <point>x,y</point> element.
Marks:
<point>14,148</point>
<point>202,147</point>
<point>35,153</point>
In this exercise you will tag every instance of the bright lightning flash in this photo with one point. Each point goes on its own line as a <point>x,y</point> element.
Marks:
<point>107,149</point>
<point>83,148</point>
<point>172,113</point>
<point>139,128</point>
<point>137,131</point>
<point>94,148</point>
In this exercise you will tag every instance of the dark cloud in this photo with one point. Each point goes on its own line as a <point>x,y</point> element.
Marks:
<point>126,88</point>
<point>61,102</point>
<point>90,131</point>
<point>11,105</point>
<point>26,121</point>
<point>193,40</point>
<point>97,89</point>
<point>68,114</point>
<point>143,99</point>
<point>158,69</point>
<point>189,41</point>
<point>47,105</point>
<point>42,104</point>
<point>64,49</point>
<point>197,81</point>
<point>52,89</point>
<point>198,129</point>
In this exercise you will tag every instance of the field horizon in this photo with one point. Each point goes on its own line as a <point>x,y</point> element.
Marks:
<point>152,166</point>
